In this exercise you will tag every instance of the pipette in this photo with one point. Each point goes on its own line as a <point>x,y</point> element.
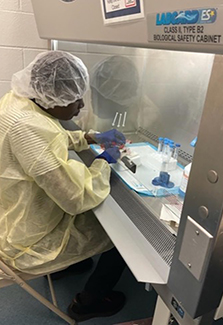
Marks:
<point>119,121</point>
<point>116,115</point>
<point>124,119</point>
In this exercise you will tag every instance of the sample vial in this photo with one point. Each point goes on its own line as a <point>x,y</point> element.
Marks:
<point>171,150</point>
<point>165,156</point>
<point>160,145</point>
<point>176,151</point>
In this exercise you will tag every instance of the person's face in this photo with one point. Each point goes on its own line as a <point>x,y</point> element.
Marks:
<point>67,112</point>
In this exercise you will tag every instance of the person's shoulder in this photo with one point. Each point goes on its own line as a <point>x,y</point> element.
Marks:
<point>37,123</point>
<point>11,110</point>
<point>23,113</point>
<point>32,124</point>
<point>16,108</point>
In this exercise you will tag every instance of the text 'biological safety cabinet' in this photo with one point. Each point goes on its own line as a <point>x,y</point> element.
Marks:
<point>200,26</point>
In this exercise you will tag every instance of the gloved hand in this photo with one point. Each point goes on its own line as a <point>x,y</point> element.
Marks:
<point>109,138</point>
<point>110,155</point>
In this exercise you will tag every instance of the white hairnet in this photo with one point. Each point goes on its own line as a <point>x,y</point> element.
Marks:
<point>54,78</point>
<point>116,78</point>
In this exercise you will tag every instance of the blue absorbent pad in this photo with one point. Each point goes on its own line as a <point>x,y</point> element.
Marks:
<point>141,181</point>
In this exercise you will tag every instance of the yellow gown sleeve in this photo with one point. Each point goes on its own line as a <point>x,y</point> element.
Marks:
<point>77,140</point>
<point>42,152</point>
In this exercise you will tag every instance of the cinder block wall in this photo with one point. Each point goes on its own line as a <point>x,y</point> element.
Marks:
<point>19,40</point>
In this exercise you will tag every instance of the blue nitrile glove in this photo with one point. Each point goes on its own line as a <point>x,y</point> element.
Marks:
<point>110,155</point>
<point>111,137</point>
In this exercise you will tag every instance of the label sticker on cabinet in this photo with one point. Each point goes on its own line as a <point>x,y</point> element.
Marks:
<point>116,11</point>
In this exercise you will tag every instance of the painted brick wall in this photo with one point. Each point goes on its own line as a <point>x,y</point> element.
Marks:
<point>19,40</point>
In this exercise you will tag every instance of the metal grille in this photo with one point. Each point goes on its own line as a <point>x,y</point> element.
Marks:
<point>151,228</point>
<point>154,139</point>
<point>148,135</point>
<point>161,239</point>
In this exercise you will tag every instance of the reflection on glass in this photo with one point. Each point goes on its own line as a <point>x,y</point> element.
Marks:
<point>148,94</point>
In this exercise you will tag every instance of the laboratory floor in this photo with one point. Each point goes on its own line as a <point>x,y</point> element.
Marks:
<point>18,308</point>
<point>147,321</point>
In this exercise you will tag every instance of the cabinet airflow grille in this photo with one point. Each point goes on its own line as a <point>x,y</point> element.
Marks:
<point>144,134</point>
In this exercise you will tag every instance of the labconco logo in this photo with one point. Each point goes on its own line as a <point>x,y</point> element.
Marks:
<point>201,16</point>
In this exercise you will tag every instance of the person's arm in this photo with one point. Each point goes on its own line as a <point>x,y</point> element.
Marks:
<point>79,140</point>
<point>76,188</point>
<point>108,139</point>
<point>42,153</point>
<point>90,138</point>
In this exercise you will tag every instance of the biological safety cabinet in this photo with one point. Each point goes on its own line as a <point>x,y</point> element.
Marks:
<point>156,71</point>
